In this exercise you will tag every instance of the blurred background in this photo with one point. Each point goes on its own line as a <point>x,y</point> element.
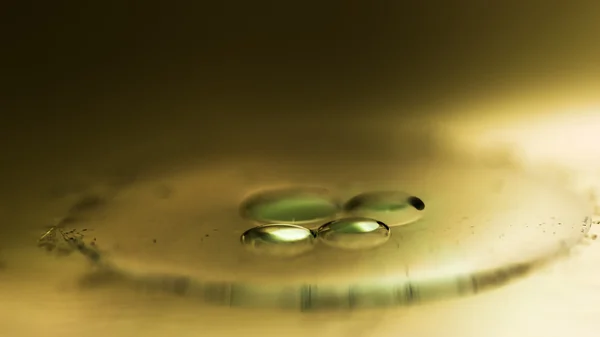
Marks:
<point>145,81</point>
<point>104,90</point>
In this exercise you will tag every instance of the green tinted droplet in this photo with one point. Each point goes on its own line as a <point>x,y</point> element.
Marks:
<point>296,206</point>
<point>278,240</point>
<point>395,208</point>
<point>354,233</point>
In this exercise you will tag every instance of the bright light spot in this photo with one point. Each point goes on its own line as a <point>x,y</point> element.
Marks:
<point>367,226</point>
<point>563,145</point>
<point>291,234</point>
<point>571,139</point>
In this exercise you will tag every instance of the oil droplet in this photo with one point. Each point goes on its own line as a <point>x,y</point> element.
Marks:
<point>354,233</point>
<point>297,206</point>
<point>278,240</point>
<point>395,208</point>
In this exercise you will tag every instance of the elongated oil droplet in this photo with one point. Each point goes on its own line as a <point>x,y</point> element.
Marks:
<point>354,233</point>
<point>278,240</point>
<point>394,208</point>
<point>296,206</point>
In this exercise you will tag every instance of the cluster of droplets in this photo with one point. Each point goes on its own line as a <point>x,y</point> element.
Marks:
<point>292,221</point>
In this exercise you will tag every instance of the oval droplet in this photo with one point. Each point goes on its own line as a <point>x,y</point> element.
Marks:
<point>278,240</point>
<point>395,208</point>
<point>354,233</point>
<point>296,206</point>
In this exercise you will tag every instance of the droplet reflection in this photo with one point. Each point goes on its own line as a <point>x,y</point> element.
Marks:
<point>354,233</point>
<point>278,240</point>
<point>297,206</point>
